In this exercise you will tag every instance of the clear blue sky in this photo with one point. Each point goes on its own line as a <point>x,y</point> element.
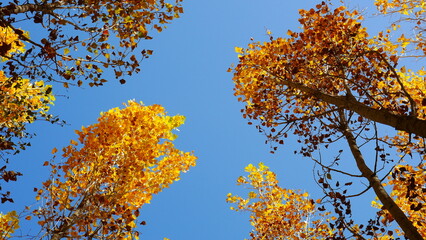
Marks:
<point>187,75</point>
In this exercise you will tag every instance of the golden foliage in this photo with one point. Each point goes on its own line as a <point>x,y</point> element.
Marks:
<point>278,213</point>
<point>9,222</point>
<point>112,170</point>
<point>21,102</point>
<point>9,43</point>
<point>286,80</point>
<point>332,69</point>
<point>412,15</point>
<point>332,55</point>
<point>287,83</point>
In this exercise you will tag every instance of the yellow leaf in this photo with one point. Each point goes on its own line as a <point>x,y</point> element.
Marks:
<point>238,50</point>
<point>404,44</point>
<point>250,168</point>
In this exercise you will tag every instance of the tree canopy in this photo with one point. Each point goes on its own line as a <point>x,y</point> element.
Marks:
<point>353,100</point>
<point>332,81</point>
<point>76,41</point>
<point>67,42</point>
<point>107,174</point>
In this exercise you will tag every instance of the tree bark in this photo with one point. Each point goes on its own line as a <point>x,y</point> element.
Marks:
<point>389,204</point>
<point>12,9</point>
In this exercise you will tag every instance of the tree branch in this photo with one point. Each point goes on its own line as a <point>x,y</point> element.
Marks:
<point>13,9</point>
<point>408,124</point>
<point>406,225</point>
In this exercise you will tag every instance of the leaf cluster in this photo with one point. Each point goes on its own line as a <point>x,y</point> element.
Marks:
<point>112,170</point>
<point>82,38</point>
<point>278,213</point>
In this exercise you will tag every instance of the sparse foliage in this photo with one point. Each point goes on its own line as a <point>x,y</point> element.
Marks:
<point>278,213</point>
<point>22,102</point>
<point>77,40</point>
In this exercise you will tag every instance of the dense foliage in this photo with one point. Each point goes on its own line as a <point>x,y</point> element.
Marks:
<point>110,172</point>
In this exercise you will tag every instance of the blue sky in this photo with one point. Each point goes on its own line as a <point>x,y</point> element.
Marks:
<point>187,75</point>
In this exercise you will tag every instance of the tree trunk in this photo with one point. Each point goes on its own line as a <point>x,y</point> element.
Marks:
<point>406,225</point>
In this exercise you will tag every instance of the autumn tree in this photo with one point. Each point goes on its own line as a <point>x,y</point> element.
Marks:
<point>74,42</point>
<point>68,42</point>
<point>330,82</point>
<point>113,168</point>
<point>23,101</point>
<point>278,213</point>
<point>77,40</point>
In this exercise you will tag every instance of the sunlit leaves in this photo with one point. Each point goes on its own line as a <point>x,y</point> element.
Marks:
<point>21,99</point>
<point>10,42</point>
<point>283,81</point>
<point>278,213</point>
<point>332,80</point>
<point>9,222</point>
<point>410,13</point>
<point>331,61</point>
<point>22,102</point>
<point>110,171</point>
